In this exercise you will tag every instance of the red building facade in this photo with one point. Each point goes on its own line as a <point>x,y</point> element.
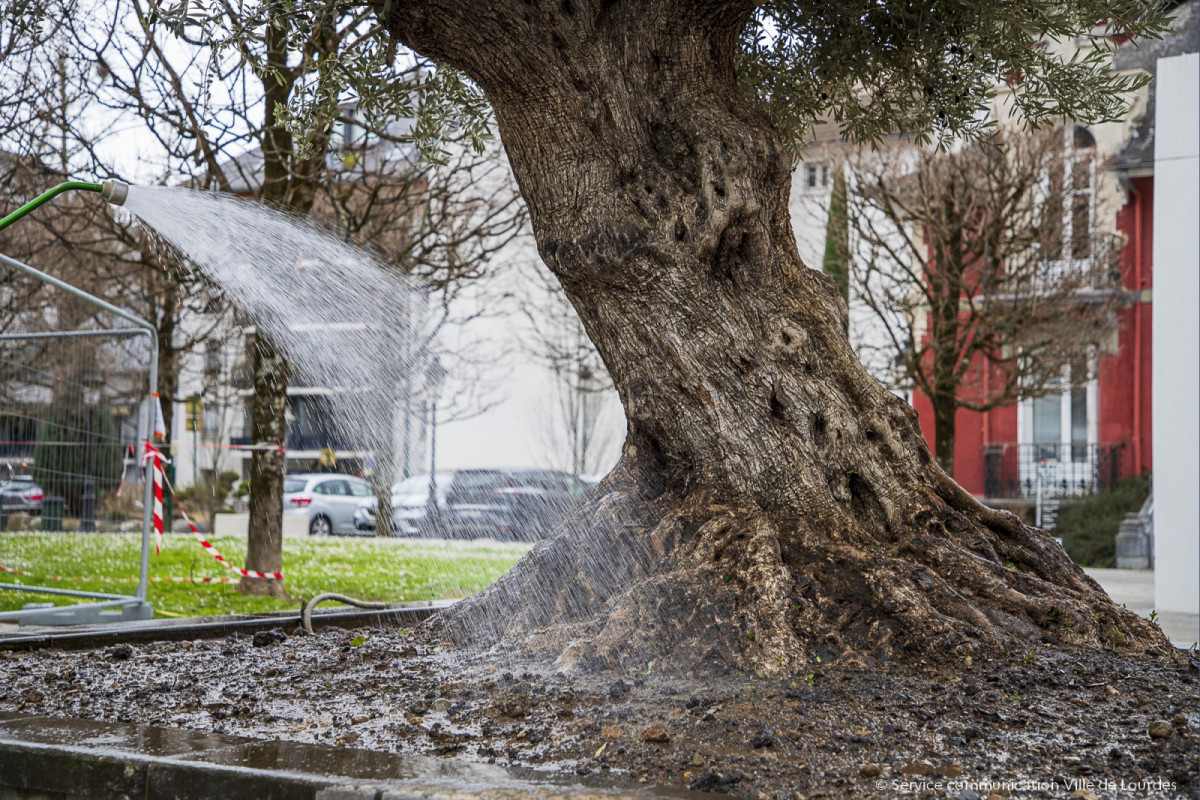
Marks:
<point>1104,429</point>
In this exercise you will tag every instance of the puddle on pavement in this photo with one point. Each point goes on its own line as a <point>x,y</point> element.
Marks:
<point>119,740</point>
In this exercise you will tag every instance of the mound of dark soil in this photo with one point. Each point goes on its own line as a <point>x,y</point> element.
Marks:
<point>1048,722</point>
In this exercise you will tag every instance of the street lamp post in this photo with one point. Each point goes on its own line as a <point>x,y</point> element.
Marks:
<point>87,511</point>
<point>87,514</point>
<point>584,387</point>
<point>435,375</point>
<point>406,387</point>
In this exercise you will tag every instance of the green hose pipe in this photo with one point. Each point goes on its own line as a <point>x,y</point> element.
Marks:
<point>113,191</point>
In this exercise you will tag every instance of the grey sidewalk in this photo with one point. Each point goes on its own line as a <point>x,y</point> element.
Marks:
<point>1135,589</point>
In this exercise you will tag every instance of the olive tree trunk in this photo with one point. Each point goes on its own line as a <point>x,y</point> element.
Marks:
<point>773,503</point>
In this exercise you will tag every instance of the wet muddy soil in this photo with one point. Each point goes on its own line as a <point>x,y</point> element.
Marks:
<point>1048,722</point>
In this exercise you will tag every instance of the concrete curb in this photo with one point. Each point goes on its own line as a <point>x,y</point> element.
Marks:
<point>35,771</point>
<point>85,637</point>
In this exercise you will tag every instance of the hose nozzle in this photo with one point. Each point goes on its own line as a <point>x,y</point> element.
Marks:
<point>114,191</point>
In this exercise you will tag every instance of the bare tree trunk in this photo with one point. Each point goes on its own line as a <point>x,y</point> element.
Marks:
<point>168,376</point>
<point>288,183</point>
<point>168,366</point>
<point>773,503</point>
<point>268,425</point>
<point>168,357</point>
<point>945,415</point>
<point>384,521</point>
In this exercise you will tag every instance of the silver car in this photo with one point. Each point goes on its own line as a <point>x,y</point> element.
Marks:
<point>327,500</point>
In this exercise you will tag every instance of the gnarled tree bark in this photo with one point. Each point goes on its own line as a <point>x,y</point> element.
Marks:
<point>773,503</point>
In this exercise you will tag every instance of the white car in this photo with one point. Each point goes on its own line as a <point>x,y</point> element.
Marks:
<point>327,500</point>
<point>410,504</point>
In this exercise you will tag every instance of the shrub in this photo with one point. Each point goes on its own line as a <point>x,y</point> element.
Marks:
<point>61,455</point>
<point>1088,526</point>
<point>208,495</point>
<point>128,506</point>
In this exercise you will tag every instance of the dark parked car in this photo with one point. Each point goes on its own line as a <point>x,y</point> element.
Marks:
<point>410,504</point>
<point>524,504</point>
<point>21,495</point>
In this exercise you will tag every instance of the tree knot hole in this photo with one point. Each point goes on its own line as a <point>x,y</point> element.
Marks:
<point>790,339</point>
<point>776,405</point>
<point>865,504</point>
<point>820,429</point>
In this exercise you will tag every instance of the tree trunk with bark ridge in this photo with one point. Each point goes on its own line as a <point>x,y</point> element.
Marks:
<point>289,183</point>
<point>773,503</point>
<point>268,427</point>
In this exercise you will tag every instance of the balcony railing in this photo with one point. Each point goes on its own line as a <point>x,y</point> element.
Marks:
<point>1053,469</point>
<point>1099,270</point>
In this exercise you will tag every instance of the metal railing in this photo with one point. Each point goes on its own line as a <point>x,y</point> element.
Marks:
<point>1053,469</point>
<point>1100,269</point>
<point>126,607</point>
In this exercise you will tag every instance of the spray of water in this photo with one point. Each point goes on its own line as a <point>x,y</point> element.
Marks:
<point>357,329</point>
<point>353,329</point>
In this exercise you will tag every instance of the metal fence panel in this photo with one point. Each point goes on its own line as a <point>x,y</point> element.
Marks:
<point>74,407</point>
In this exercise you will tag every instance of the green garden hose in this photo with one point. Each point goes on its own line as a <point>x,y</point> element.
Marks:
<point>113,191</point>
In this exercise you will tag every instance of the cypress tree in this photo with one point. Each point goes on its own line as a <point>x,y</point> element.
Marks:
<point>836,263</point>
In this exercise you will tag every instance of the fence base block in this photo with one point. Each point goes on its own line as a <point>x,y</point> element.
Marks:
<point>88,614</point>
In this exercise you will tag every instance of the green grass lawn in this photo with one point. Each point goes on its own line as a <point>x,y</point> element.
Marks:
<point>392,570</point>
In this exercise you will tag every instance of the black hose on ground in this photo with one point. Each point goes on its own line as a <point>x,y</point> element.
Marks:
<point>306,608</point>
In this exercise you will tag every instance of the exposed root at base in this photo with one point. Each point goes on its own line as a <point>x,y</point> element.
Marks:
<point>697,586</point>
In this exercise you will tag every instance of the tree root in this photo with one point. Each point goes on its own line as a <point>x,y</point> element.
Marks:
<point>700,586</point>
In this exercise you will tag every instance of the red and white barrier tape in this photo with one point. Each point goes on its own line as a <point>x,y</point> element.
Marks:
<point>212,551</point>
<point>159,478</point>
<point>155,455</point>
<point>77,579</point>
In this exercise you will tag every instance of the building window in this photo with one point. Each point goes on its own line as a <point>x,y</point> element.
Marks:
<point>1047,426</point>
<point>1070,183</point>
<point>211,422</point>
<point>816,175</point>
<point>1060,431</point>
<point>212,361</point>
<point>350,131</point>
<point>1060,425</point>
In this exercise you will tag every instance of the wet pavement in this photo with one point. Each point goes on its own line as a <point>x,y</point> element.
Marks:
<point>42,756</point>
<point>1134,588</point>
